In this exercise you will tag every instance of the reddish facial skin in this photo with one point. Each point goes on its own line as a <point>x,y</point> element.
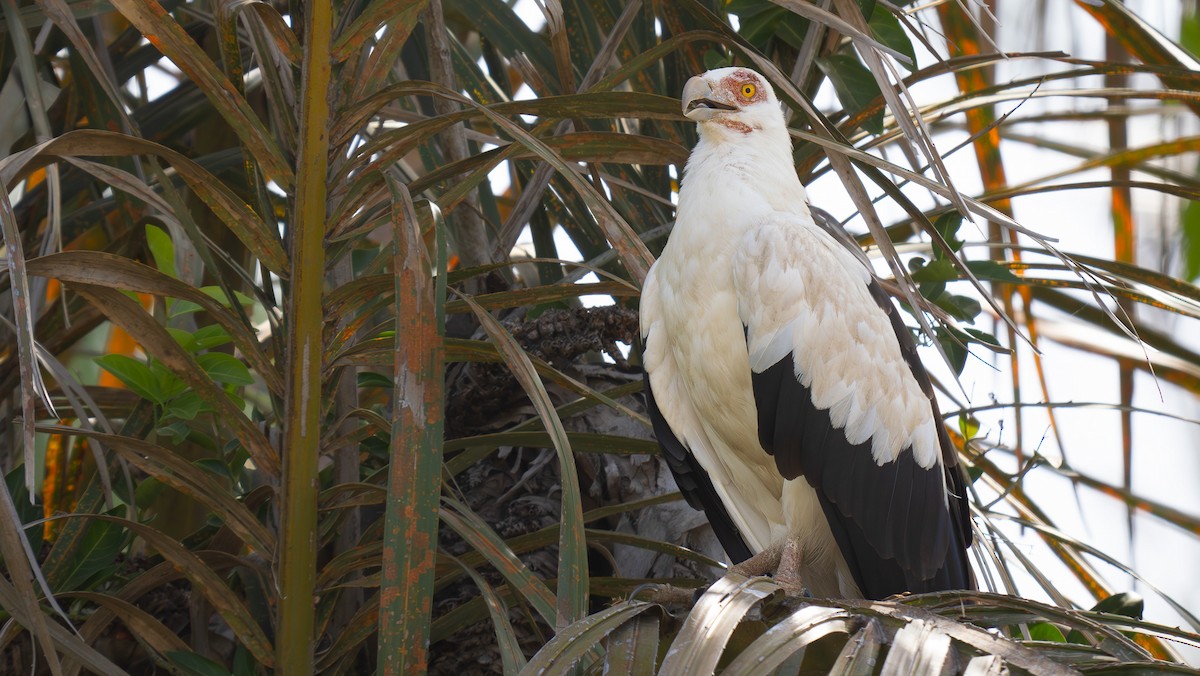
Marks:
<point>732,84</point>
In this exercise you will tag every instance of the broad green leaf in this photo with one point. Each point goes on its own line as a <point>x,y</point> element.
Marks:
<point>1044,631</point>
<point>185,407</point>
<point>136,375</point>
<point>214,466</point>
<point>208,337</point>
<point>968,426</point>
<point>955,351</point>
<point>225,368</point>
<point>962,308</point>
<point>887,29</point>
<point>116,272</point>
<point>169,385</point>
<point>373,379</point>
<point>162,249</point>
<point>984,337</point>
<point>1128,604</point>
<point>992,270</point>
<point>939,270</point>
<point>177,431</point>
<point>948,224</point>
<point>760,20</point>
<point>97,551</point>
<point>185,338</point>
<point>183,307</point>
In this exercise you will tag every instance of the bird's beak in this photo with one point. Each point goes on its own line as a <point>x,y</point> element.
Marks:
<point>698,103</point>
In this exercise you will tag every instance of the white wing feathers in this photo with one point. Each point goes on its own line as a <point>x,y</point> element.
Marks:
<point>800,292</point>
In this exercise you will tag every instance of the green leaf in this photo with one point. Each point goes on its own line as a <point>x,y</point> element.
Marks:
<point>169,384</point>
<point>854,85</point>
<point>208,337</point>
<point>195,665</point>
<point>992,270</point>
<point>762,20</point>
<point>1189,32</point>
<point>186,407</point>
<point>1128,604</point>
<point>372,379</point>
<point>963,308</point>
<point>215,466</point>
<point>955,351</point>
<point>97,551</point>
<point>1044,631</point>
<point>218,294</point>
<point>148,490</point>
<point>177,308</point>
<point>968,426</point>
<point>887,29</point>
<point>183,307</point>
<point>184,338</point>
<point>224,368</point>
<point>940,270</point>
<point>947,226</point>
<point>983,337</point>
<point>136,375</point>
<point>176,432</point>
<point>162,249</point>
<point>1190,223</point>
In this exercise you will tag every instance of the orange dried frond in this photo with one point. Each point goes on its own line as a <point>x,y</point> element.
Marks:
<point>36,177</point>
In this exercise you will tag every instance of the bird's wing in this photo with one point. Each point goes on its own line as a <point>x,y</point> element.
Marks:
<point>694,483</point>
<point>843,400</point>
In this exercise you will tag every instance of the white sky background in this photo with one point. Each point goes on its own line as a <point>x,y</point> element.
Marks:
<point>1166,464</point>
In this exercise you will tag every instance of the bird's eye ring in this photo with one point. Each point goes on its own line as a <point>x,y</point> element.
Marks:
<point>748,90</point>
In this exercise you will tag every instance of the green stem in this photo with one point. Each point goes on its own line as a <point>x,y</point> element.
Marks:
<point>302,434</point>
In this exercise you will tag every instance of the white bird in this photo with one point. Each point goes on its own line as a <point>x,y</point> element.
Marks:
<point>784,389</point>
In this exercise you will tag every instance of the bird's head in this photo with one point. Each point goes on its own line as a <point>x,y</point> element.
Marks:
<point>735,99</point>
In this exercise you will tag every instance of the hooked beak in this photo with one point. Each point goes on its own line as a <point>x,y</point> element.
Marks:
<point>698,103</point>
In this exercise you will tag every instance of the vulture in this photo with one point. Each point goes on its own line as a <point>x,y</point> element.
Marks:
<point>784,389</point>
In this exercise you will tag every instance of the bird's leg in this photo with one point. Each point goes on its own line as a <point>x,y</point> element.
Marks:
<point>762,563</point>
<point>787,574</point>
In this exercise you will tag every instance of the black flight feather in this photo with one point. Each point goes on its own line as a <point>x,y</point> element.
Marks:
<point>891,521</point>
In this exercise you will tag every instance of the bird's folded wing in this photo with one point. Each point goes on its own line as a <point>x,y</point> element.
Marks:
<point>843,401</point>
<point>694,482</point>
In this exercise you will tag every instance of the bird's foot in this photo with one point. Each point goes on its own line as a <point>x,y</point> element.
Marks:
<point>666,594</point>
<point>762,563</point>
<point>791,584</point>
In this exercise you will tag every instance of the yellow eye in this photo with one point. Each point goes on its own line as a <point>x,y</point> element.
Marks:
<point>748,90</point>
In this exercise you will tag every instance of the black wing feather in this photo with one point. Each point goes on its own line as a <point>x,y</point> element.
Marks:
<point>890,521</point>
<point>694,483</point>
